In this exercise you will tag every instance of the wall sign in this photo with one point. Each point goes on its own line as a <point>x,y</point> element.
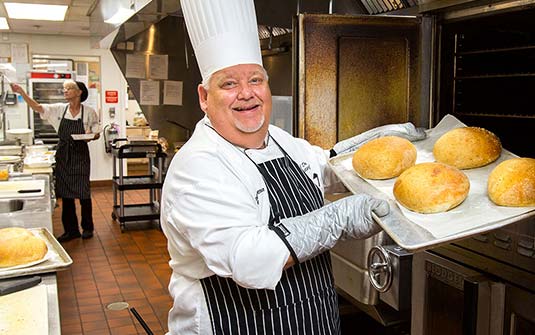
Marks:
<point>112,97</point>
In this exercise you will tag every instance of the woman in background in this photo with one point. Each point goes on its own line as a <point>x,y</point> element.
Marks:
<point>72,157</point>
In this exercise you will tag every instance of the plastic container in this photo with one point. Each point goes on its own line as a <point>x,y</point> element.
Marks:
<point>4,172</point>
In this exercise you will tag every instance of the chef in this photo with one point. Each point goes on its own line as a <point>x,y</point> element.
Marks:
<point>242,204</point>
<point>72,170</point>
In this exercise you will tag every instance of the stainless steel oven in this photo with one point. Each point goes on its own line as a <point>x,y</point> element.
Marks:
<point>467,58</point>
<point>450,297</point>
<point>485,78</point>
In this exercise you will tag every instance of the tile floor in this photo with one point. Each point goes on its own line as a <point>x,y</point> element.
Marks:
<point>114,267</point>
<point>132,267</point>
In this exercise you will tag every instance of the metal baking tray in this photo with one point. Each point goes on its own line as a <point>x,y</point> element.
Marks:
<point>415,231</point>
<point>56,258</point>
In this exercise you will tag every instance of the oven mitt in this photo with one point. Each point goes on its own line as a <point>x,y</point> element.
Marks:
<point>405,130</point>
<point>313,233</point>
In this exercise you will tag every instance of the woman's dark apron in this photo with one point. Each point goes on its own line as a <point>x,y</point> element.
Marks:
<point>72,160</point>
<point>304,301</point>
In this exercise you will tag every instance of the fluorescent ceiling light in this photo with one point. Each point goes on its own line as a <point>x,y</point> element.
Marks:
<point>3,23</point>
<point>50,65</point>
<point>35,11</point>
<point>120,16</point>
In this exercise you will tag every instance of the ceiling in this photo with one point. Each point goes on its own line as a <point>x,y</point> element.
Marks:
<point>76,19</point>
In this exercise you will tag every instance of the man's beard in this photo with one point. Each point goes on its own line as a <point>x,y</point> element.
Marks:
<point>250,129</point>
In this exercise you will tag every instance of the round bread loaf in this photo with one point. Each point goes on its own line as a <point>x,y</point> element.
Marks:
<point>512,183</point>
<point>431,188</point>
<point>467,148</point>
<point>19,246</point>
<point>384,158</point>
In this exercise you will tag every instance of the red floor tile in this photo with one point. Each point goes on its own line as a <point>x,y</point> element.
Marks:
<point>114,266</point>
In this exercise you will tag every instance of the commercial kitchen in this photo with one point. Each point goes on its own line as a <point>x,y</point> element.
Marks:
<point>336,68</point>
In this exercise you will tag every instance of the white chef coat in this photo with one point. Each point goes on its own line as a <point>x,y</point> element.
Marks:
<point>215,212</point>
<point>53,113</point>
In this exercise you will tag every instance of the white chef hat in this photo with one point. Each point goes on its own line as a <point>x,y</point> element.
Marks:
<point>223,33</point>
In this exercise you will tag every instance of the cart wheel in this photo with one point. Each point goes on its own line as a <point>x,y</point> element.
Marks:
<point>113,216</point>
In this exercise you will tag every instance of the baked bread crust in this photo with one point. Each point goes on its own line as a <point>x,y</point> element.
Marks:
<point>384,158</point>
<point>431,188</point>
<point>467,148</point>
<point>19,246</point>
<point>512,183</point>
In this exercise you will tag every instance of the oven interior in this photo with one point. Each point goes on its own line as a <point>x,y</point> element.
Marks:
<point>487,76</point>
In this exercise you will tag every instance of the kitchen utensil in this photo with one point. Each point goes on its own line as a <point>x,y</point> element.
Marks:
<point>30,191</point>
<point>141,321</point>
<point>10,189</point>
<point>8,286</point>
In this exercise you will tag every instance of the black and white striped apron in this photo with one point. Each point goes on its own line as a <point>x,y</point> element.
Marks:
<point>304,301</point>
<point>72,160</point>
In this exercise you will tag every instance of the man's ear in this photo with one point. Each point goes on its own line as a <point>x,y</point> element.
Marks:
<point>203,97</point>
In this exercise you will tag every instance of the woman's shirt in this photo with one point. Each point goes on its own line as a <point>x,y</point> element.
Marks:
<point>53,113</point>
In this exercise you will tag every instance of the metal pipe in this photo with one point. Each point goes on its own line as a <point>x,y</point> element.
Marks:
<point>185,44</point>
<point>2,113</point>
<point>331,6</point>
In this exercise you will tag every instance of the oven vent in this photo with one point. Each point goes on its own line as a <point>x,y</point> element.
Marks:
<point>383,6</point>
<point>267,32</point>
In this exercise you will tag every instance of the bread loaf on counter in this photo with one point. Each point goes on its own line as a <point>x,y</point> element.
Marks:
<point>467,148</point>
<point>431,188</point>
<point>512,183</point>
<point>384,158</point>
<point>19,246</point>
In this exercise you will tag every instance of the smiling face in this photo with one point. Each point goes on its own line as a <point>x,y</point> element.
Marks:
<point>238,104</point>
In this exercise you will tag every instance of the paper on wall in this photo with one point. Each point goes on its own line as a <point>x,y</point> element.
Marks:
<point>158,66</point>
<point>149,92</point>
<point>19,53</point>
<point>5,50</point>
<point>172,92</point>
<point>135,66</point>
<point>93,99</point>
<point>22,69</point>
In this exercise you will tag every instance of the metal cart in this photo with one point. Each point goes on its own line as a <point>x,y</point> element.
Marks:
<point>153,181</point>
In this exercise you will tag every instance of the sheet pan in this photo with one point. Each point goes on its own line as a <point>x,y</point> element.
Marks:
<point>56,258</point>
<point>415,231</point>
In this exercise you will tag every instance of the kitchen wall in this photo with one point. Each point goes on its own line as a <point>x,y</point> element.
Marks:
<point>112,79</point>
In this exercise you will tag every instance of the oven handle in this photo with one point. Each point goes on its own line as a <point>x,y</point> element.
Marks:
<point>483,306</point>
<point>470,304</point>
<point>380,269</point>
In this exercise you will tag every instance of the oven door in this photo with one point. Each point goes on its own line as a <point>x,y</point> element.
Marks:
<point>354,73</point>
<point>448,298</point>
<point>519,312</point>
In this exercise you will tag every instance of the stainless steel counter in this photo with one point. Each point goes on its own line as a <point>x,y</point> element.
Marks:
<point>37,212</point>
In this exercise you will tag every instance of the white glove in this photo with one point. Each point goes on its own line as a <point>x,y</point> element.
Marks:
<point>405,130</point>
<point>313,233</point>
